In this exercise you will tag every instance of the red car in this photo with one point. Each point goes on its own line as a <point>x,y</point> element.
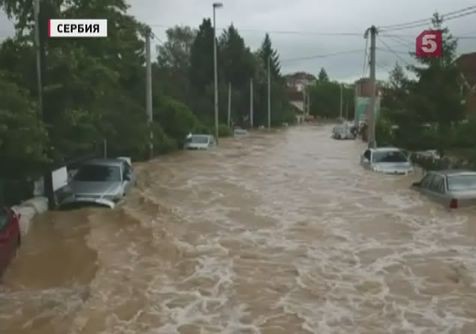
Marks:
<point>9,236</point>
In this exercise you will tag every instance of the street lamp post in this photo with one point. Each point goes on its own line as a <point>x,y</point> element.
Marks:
<point>215,70</point>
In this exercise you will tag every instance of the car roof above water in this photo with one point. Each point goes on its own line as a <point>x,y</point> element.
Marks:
<point>105,162</point>
<point>386,149</point>
<point>453,172</point>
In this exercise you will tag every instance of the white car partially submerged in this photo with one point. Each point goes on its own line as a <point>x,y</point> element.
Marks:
<point>99,182</point>
<point>387,160</point>
<point>199,142</point>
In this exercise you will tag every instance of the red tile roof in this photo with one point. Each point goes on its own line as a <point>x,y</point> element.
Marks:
<point>467,65</point>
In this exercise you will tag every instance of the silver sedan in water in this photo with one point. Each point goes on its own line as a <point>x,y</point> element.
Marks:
<point>452,188</point>
<point>101,182</point>
<point>387,160</point>
<point>199,142</point>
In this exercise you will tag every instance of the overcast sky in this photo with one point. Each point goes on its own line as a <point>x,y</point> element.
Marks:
<point>310,18</point>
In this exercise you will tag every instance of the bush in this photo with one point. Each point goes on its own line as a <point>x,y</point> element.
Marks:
<point>177,119</point>
<point>224,131</point>
<point>163,143</point>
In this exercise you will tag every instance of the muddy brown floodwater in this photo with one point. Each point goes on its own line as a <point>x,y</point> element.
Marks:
<point>273,233</point>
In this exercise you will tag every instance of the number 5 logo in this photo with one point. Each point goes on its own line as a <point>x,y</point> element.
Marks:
<point>429,44</point>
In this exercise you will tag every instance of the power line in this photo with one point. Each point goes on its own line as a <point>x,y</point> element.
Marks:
<point>393,51</point>
<point>422,22</point>
<point>289,32</point>
<point>402,42</point>
<point>321,55</point>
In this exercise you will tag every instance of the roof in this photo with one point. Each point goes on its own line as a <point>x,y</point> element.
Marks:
<point>385,149</point>
<point>300,76</point>
<point>104,162</point>
<point>467,65</point>
<point>452,172</point>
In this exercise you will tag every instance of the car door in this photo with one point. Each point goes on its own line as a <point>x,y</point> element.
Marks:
<point>434,186</point>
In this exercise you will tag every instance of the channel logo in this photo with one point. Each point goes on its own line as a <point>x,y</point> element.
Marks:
<point>77,28</point>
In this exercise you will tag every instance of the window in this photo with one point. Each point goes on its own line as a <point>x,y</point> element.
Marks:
<point>98,173</point>
<point>389,156</point>
<point>425,183</point>
<point>462,182</point>
<point>437,185</point>
<point>200,139</point>
<point>4,218</point>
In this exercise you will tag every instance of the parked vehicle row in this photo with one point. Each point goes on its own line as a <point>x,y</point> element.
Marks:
<point>452,188</point>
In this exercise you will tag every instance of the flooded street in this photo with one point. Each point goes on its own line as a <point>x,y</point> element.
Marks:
<point>272,233</point>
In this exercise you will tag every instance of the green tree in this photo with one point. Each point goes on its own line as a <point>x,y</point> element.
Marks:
<point>267,52</point>
<point>201,73</point>
<point>23,139</point>
<point>173,64</point>
<point>201,57</point>
<point>323,77</point>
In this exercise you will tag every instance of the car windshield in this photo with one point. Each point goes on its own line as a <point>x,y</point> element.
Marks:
<point>462,182</point>
<point>389,156</point>
<point>3,219</point>
<point>200,139</point>
<point>98,173</point>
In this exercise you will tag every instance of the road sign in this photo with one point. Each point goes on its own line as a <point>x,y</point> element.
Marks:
<point>429,44</point>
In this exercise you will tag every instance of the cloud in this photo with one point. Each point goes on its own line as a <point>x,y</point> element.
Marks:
<point>253,18</point>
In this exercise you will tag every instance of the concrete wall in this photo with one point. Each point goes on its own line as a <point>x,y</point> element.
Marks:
<point>28,210</point>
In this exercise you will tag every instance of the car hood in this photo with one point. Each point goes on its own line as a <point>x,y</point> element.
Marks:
<point>392,167</point>
<point>96,189</point>
<point>196,145</point>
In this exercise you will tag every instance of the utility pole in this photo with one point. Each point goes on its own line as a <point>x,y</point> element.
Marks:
<point>251,103</point>
<point>229,103</point>
<point>38,58</point>
<point>148,93</point>
<point>269,92</point>
<point>373,84</point>
<point>215,70</point>
<point>307,100</point>
<point>340,101</point>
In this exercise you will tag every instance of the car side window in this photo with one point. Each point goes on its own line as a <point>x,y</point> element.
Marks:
<point>437,184</point>
<point>425,183</point>
<point>367,155</point>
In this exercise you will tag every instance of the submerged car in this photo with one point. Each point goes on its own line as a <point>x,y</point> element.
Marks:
<point>9,236</point>
<point>199,142</point>
<point>452,188</point>
<point>343,131</point>
<point>101,182</point>
<point>239,132</point>
<point>387,160</point>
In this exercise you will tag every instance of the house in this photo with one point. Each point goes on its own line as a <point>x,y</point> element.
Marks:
<point>467,66</point>
<point>297,93</point>
<point>299,81</point>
